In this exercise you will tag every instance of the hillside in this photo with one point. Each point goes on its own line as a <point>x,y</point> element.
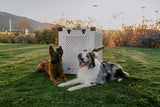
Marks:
<point>4,22</point>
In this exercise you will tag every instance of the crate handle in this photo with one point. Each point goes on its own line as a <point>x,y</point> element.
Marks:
<point>83,31</point>
<point>98,48</point>
<point>69,31</point>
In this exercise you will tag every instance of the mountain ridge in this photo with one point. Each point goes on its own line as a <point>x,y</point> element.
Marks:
<point>16,20</point>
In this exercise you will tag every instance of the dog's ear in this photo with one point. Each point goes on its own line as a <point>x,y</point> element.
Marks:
<point>79,57</point>
<point>92,63</point>
<point>60,50</point>
<point>93,59</point>
<point>51,50</point>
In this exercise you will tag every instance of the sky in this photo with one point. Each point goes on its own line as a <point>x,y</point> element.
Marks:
<point>108,13</point>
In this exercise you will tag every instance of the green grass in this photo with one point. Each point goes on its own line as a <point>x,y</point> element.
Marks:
<point>21,85</point>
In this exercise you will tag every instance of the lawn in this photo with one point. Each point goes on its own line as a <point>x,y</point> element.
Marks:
<point>21,85</point>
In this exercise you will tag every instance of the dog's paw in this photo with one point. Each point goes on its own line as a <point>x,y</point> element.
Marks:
<point>61,85</point>
<point>119,79</point>
<point>70,89</point>
<point>57,83</point>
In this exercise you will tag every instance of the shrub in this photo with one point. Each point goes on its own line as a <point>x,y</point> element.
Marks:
<point>148,38</point>
<point>30,39</point>
<point>5,39</point>
<point>0,38</point>
<point>39,37</point>
<point>48,36</point>
<point>21,39</point>
<point>13,39</point>
<point>129,37</point>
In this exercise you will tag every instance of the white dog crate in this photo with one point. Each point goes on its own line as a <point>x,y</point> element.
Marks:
<point>74,41</point>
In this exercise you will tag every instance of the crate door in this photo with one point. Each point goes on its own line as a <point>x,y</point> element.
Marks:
<point>74,45</point>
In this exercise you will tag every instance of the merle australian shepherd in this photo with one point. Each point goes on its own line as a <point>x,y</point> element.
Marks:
<point>93,72</point>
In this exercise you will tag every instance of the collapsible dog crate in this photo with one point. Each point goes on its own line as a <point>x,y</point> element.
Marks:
<point>74,41</point>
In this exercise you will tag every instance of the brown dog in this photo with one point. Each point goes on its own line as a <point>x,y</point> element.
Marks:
<point>54,66</point>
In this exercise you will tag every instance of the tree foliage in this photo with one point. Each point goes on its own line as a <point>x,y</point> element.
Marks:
<point>21,39</point>
<point>46,36</point>
<point>23,25</point>
<point>30,39</point>
<point>5,39</point>
<point>89,22</point>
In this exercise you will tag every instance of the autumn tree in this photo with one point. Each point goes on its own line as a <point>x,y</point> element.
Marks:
<point>54,28</point>
<point>23,25</point>
<point>45,36</point>
<point>48,36</point>
<point>89,22</point>
<point>39,37</point>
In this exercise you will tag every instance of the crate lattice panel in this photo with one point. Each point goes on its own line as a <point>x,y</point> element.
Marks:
<point>74,42</point>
